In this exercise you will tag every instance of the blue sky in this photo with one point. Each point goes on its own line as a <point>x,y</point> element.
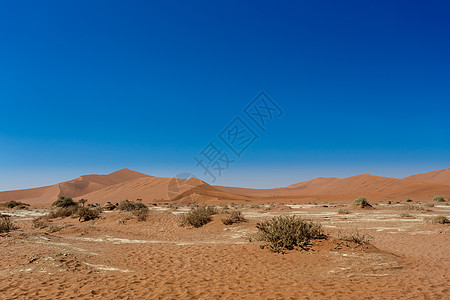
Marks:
<point>96,86</point>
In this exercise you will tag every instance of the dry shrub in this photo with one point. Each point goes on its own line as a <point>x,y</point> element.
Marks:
<point>356,237</point>
<point>82,213</point>
<point>284,233</point>
<point>128,205</point>
<point>255,206</point>
<point>40,222</point>
<point>411,207</point>
<point>406,215</point>
<point>62,212</point>
<point>439,199</point>
<point>197,216</point>
<point>86,213</point>
<point>63,201</point>
<point>14,204</point>
<point>436,220</point>
<point>138,209</point>
<point>6,225</point>
<point>141,213</point>
<point>234,217</point>
<point>343,211</point>
<point>361,202</point>
<point>109,206</point>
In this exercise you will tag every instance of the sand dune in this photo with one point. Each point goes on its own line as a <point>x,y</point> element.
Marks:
<point>161,189</point>
<point>438,177</point>
<point>127,184</point>
<point>366,184</point>
<point>76,187</point>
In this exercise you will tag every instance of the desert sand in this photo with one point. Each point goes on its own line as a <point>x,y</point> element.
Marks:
<point>119,257</point>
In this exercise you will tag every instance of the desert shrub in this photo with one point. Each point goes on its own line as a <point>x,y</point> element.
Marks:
<point>436,220</point>
<point>109,206</point>
<point>40,222</point>
<point>6,225</point>
<point>64,202</point>
<point>13,204</point>
<point>141,213</point>
<point>343,211</point>
<point>361,202</point>
<point>439,199</point>
<point>197,216</point>
<point>356,237</point>
<point>408,200</point>
<point>82,201</point>
<point>411,207</point>
<point>138,209</point>
<point>128,205</point>
<point>406,215</point>
<point>87,213</point>
<point>234,217</point>
<point>63,212</point>
<point>284,233</point>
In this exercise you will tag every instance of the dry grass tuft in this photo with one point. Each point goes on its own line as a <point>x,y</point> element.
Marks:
<point>356,237</point>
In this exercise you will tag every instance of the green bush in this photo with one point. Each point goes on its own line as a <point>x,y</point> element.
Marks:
<point>361,202</point>
<point>64,202</point>
<point>13,204</point>
<point>6,225</point>
<point>439,199</point>
<point>284,233</point>
<point>408,200</point>
<point>233,217</point>
<point>197,216</point>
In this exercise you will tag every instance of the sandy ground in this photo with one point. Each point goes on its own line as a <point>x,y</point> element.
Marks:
<point>116,258</point>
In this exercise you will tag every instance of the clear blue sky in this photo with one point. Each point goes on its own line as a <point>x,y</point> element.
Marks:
<point>96,86</point>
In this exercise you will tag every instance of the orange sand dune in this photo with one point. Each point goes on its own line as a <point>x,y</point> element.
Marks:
<point>368,185</point>
<point>161,189</point>
<point>438,177</point>
<point>76,187</point>
<point>127,184</point>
